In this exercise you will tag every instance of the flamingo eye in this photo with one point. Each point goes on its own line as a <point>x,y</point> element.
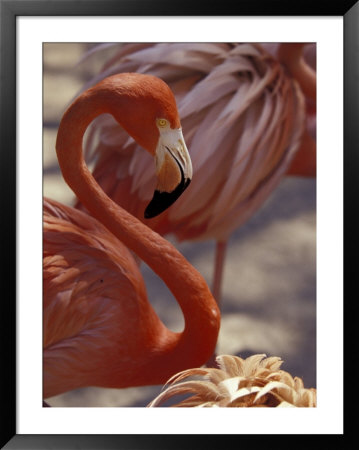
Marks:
<point>162,122</point>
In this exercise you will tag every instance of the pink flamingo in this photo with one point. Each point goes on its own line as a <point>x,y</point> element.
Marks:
<point>244,116</point>
<point>99,328</point>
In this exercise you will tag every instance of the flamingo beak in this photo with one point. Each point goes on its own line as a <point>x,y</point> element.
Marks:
<point>173,170</point>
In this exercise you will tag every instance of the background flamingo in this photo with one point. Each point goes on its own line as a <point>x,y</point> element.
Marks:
<point>244,118</point>
<point>270,259</point>
<point>99,328</point>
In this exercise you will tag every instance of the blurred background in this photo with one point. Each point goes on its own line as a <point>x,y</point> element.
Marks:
<point>269,285</point>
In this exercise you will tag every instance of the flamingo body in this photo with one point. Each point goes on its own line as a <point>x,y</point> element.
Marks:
<point>244,118</point>
<point>249,115</point>
<point>97,318</point>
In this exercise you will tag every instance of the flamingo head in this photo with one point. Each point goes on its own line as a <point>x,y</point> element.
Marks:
<point>173,168</point>
<point>147,111</point>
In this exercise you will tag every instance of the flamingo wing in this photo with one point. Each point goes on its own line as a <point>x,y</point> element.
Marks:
<point>91,283</point>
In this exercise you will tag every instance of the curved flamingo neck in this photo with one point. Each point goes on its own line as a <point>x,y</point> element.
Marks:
<point>201,314</point>
<point>291,55</point>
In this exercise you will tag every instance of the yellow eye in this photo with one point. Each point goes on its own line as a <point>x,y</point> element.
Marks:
<point>161,122</point>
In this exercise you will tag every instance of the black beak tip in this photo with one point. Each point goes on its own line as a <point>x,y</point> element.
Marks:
<point>163,200</point>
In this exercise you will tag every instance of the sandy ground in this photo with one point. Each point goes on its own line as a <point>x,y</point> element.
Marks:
<point>269,288</point>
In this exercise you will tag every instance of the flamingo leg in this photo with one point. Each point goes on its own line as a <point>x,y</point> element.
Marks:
<point>221,247</point>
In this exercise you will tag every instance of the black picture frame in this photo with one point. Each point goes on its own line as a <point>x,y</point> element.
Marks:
<point>9,10</point>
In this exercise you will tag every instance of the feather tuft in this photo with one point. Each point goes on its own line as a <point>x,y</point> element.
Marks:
<point>256,381</point>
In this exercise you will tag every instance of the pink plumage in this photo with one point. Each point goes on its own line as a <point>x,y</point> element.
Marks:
<point>244,118</point>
